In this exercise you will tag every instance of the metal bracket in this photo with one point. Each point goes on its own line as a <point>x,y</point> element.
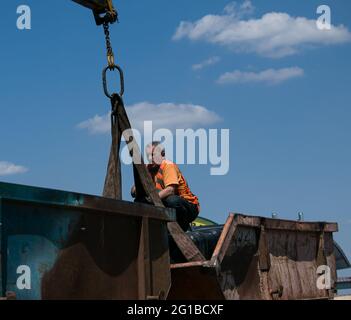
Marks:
<point>322,257</point>
<point>263,254</point>
<point>103,10</point>
<point>161,296</point>
<point>109,17</point>
<point>277,293</point>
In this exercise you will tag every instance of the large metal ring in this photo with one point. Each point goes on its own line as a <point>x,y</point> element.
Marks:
<point>121,79</point>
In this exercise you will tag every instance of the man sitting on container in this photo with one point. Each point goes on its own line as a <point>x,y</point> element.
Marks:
<point>171,185</point>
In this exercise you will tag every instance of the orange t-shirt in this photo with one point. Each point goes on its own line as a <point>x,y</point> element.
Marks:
<point>169,174</point>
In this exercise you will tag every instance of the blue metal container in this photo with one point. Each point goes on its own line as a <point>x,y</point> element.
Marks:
<point>64,245</point>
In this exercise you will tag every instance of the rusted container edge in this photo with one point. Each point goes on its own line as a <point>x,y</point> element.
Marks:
<point>291,225</point>
<point>108,206</point>
<point>223,236</point>
<point>9,296</point>
<point>205,263</point>
<point>236,219</point>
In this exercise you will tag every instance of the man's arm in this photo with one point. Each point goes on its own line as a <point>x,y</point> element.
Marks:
<point>168,191</point>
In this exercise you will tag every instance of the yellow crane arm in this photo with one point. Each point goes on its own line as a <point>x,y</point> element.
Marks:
<point>100,7</point>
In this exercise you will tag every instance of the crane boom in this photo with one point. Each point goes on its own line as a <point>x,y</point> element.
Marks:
<point>103,10</point>
<point>99,6</point>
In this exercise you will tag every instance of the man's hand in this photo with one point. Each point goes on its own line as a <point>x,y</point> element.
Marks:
<point>133,192</point>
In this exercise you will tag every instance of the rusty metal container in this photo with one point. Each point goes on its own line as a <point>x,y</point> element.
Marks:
<point>262,259</point>
<point>64,245</point>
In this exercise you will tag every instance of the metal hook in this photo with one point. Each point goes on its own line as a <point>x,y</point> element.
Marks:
<point>121,78</point>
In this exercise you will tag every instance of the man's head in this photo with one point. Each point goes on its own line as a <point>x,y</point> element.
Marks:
<point>155,153</point>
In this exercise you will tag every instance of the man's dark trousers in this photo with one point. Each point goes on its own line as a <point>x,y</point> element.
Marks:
<point>186,211</point>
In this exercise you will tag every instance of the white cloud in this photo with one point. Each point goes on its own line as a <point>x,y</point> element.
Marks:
<point>164,115</point>
<point>271,76</point>
<point>7,168</point>
<point>246,8</point>
<point>206,63</point>
<point>274,35</point>
<point>97,124</point>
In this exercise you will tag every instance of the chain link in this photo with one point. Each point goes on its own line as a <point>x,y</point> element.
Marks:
<point>111,64</point>
<point>110,55</point>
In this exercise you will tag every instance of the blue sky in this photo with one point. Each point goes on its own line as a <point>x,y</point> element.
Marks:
<point>289,126</point>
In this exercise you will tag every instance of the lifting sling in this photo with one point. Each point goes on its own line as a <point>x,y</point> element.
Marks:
<point>120,125</point>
